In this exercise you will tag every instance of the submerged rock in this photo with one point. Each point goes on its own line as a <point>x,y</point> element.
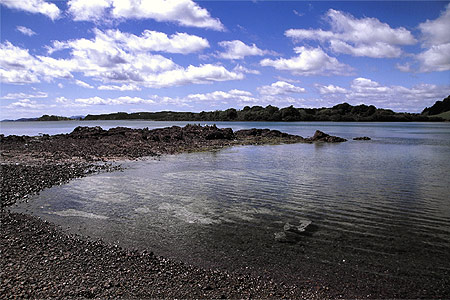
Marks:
<point>285,237</point>
<point>362,138</point>
<point>300,228</point>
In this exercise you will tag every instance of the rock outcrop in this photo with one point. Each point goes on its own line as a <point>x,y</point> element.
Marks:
<point>320,136</point>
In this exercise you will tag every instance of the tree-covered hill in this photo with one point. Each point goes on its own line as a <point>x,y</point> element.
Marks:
<point>438,108</point>
<point>340,112</point>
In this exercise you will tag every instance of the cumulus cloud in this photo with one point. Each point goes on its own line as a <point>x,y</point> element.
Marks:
<point>280,88</point>
<point>192,74</point>
<point>238,50</point>
<point>149,40</point>
<point>25,103</point>
<point>114,57</point>
<point>436,41</point>
<point>62,100</point>
<point>34,6</point>
<point>17,66</point>
<point>113,101</point>
<point>398,98</point>
<point>88,10</point>
<point>436,58</point>
<point>216,96</point>
<point>124,87</point>
<point>436,32</point>
<point>330,89</point>
<point>310,61</point>
<point>243,70</point>
<point>83,84</point>
<point>23,95</point>
<point>357,37</point>
<point>25,30</point>
<point>183,12</point>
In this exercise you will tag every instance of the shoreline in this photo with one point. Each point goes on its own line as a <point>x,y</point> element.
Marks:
<point>40,260</point>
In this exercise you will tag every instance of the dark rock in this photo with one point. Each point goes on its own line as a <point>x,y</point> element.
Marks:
<point>362,138</point>
<point>320,136</point>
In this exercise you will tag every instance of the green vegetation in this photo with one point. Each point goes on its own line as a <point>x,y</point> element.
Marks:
<point>52,118</point>
<point>438,108</point>
<point>444,115</point>
<point>340,112</point>
<point>344,112</point>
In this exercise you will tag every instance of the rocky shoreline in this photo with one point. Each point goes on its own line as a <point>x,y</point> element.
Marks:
<point>39,260</point>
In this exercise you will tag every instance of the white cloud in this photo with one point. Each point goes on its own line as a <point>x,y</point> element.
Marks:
<point>436,32</point>
<point>60,85</point>
<point>377,50</point>
<point>62,100</point>
<point>310,61</point>
<point>25,103</point>
<point>398,98</point>
<point>88,10</point>
<point>23,95</point>
<point>230,98</point>
<point>243,70</point>
<point>120,58</point>
<point>202,74</point>
<point>406,67</point>
<point>436,58</point>
<point>238,50</point>
<point>217,96</point>
<point>183,12</point>
<point>83,84</point>
<point>280,88</point>
<point>113,101</point>
<point>436,41</point>
<point>16,65</point>
<point>154,41</point>
<point>357,37</point>
<point>34,6</point>
<point>124,87</point>
<point>25,30</point>
<point>330,89</point>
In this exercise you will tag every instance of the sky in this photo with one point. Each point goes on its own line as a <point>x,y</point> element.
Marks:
<point>80,57</point>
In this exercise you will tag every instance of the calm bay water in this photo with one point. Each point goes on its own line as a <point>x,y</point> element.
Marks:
<point>377,207</point>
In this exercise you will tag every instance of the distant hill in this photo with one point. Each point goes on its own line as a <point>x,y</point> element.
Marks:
<point>46,118</point>
<point>21,120</point>
<point>80,117</point>
<point>52,118</point>
<point>438,108</point>
<point>344,112</point>
<point>341,112</point>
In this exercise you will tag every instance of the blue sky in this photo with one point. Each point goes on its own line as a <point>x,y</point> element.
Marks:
<point>100,56</point>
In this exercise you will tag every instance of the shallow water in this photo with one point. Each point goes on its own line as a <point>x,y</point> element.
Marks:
<point>377,207</point>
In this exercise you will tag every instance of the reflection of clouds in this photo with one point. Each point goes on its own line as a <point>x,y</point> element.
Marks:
<point>78,213</point>
<point>190,214</point>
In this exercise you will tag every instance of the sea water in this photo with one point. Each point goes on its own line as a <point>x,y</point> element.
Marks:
<point>380,206</point>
